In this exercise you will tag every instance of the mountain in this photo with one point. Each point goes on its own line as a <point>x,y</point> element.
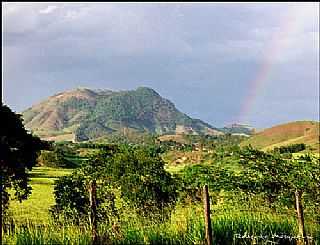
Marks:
<point>238,129</point>
<point>297,132</point>
<point>85,114</point>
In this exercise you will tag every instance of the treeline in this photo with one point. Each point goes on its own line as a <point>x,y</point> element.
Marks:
<point>69,155</point>
<point>290,148</point>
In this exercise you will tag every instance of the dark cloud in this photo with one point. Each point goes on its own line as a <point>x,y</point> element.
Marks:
<point>203,57</point>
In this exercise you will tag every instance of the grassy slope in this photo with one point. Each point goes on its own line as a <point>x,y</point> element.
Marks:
<point>35,208</point>
<point>174,137</point>
<point>290,133</point>
<point>62,137</point>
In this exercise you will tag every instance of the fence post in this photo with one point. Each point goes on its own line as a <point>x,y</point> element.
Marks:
<point>207,220</point>
<point>93,208</point>
<point>300,217</point>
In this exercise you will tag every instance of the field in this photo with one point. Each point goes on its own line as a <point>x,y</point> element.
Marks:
<point>35,208</point>
<point>240,214</point>
<point>231,223</point>
<point>291,133</point>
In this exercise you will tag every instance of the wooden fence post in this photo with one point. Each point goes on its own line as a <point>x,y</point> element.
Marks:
<point>207,220</point>
<point>93,208</point>
<point>300,218</point>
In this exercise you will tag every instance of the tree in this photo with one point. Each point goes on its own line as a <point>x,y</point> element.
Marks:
<point>18,153</point>
<point>290,148</point>
<point>73,200</point>
<point>145,184</point>
<point>137,172</point>
<point>55,158</point>
<point>279,179</point>
<point>194,177</point>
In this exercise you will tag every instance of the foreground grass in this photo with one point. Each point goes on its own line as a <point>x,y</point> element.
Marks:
<point>186,226</point>
<point>32,223</point>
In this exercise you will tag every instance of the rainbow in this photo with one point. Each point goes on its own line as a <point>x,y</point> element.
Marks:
<point>272,51</point>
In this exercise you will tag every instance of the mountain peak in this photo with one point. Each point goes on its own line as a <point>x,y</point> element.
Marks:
<point>83,89</point>
<point>147,90</point>
<point>85,114</point>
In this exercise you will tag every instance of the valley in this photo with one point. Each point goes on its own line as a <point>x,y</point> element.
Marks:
<point>141,152</point>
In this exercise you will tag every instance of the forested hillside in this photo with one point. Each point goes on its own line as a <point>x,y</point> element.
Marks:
<point>84,114</point>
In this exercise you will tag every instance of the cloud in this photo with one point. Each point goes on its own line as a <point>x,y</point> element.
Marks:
<point>135,29</point>
<point>48,10</point>
<point>206,46</point>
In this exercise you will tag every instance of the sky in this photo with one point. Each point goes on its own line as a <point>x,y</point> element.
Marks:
<point>253,63</point>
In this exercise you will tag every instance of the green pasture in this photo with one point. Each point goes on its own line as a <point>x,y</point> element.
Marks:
<point>35,208</point>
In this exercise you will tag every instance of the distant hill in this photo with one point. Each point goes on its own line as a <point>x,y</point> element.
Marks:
<point>306,132</point>
<point>238,129</point>
<point>85,114</point>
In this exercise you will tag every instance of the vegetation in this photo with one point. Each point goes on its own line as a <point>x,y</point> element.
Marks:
<point>136,175</point>
<point>35,208</point>
<point>241,207</point>
<point>283,180</point>
<point>149,192</point>
<point>290,148</point>
<point>18,153</point>
<point>299,132</point>
<point>60,155</point>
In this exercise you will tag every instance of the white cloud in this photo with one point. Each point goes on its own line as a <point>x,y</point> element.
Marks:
<point>18,18</point>
<point>71,14</point>
<point>48,9</point>
<point>155,29</point>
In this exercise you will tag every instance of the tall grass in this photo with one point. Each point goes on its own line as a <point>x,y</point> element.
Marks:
<point>32,225</point>
<point>186,226</point>
<point>30,233</point>
<point>244,229</point>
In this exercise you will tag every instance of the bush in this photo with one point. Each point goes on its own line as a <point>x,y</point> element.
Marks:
<point>54,159</point>
<point>290,148</point>
<point>72,200</point>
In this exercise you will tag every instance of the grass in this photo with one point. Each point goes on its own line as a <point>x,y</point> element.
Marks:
<point>290,133</point>
<point>174,169</point>
<point>230,225</point>
<point>47,234</point>
<point>299,154</point>
<point>35,208</point>
<point>186,226</point>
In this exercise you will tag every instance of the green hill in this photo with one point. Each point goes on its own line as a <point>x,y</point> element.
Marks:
<point>306,132</point>
<point>85,114</point>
